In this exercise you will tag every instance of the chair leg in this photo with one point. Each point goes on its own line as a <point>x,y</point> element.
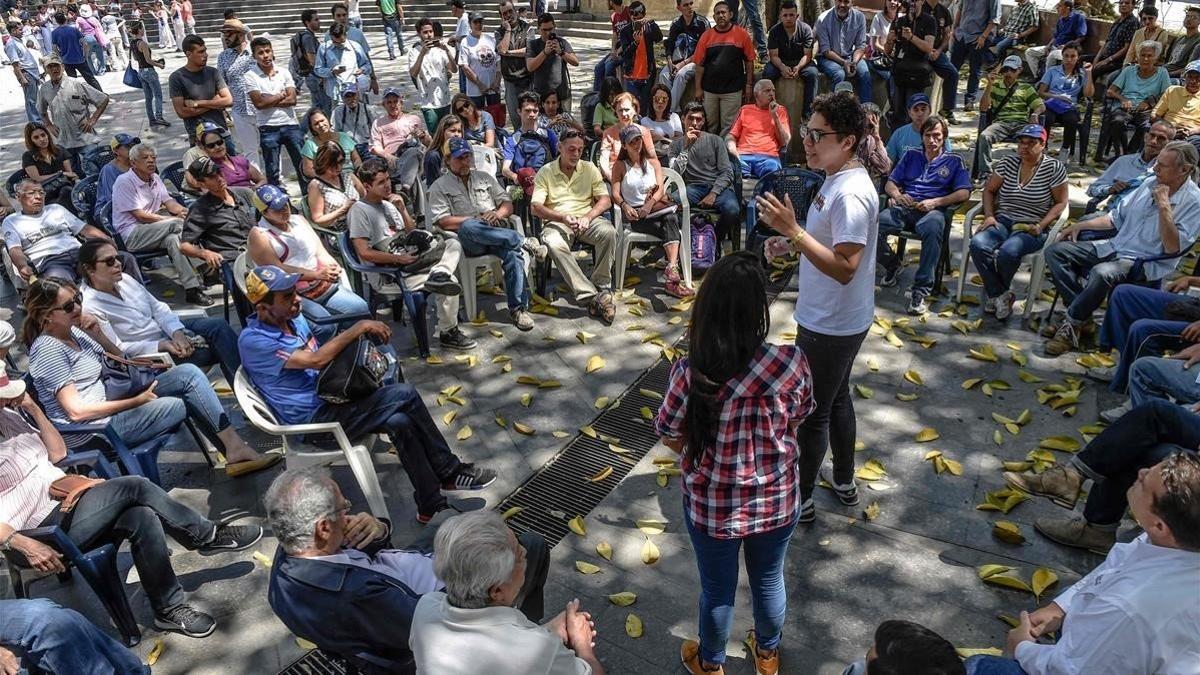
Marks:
<point>1035,283</point>
<point>359,459</point>
<point>466,273</point>
<point>417,303</point>
<point>622,258</point>
<point>963,264</point>
<point>99,569</point>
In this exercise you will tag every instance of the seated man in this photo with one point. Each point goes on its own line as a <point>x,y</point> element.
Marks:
<point>219,221</point>
<point>530,147</point>
<point>703,161</point>
<point>139,199</point>
<point>1070,29</point>
<point>475,619</point>
<point>1127,172</point>
<point>760,132</point>
<point>1180,104</point>
<point>909,137</point>
<point>43,239</point>
<point>1127,615</point>
<point>924,188</point>
<point>906,648</point>
<point>1161,217</point>
<point>376,224</point>
<point>283,362</point>
<point>789,46</point>
<point>126,507</point>
<point>1023,21</point>
<point>39,634</point>
<point>119,164</point>
<point>1017,104</point>
<point>398,138</point>
<point>472,205</point>
<point>571,198</point>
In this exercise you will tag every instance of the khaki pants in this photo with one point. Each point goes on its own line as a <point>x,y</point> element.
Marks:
<point>164,234</point>
<point>720,109</point>
<point>600,234</point>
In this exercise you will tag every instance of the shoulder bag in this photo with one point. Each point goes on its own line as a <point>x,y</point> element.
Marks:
<point>354,374</point>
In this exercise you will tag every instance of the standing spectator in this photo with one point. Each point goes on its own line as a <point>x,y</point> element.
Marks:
<point>911,39</point>
<point>1017,105</point>
<point>431,64</point>
<point>43,161</point>
<point>609,65</point>
<point>976,21</point>
<point>1184,49</point>
<point>761,133</point>
<point>1111,56</point>
<point>511,39</point>
<point>547,57</point>
<point>841,46</point>
<point>789,46</point>
<point>1021,201</point>
<point>55,639</point>
<point>392,14</point>
<point>1061,87</point>
<point>1135,92</point>
<point>71,109</point>
<point>198,91</point>
<point>177,24</point>
<point>1070,29</point>
<point>25,67</point>
<point>341,63</point>
<point>189,16</point>
<point>682,37</point>
<point>724,59</point>
<point>305,59</point>
<point>740,487</point>
<point>1150,30</point>
<point>702,160</point>
<point>340,13</point>
<point>398,139</point>
<point>837,248</point>
<point>273,94</point>
<point>95,41</point>
<point>637,52</point>
<point>480,65</point>
<point>69,50</point>
<point>1025,19</point>
<point>148,74</point>
<point>940,57</point>
<point>114,31</point>
<point>235,61</point>
<point>166,39</point>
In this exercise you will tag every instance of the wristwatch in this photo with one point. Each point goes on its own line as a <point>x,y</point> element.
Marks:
<point>4,545</point>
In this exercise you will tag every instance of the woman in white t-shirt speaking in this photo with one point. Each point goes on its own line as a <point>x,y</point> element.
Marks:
<point>836,301</point>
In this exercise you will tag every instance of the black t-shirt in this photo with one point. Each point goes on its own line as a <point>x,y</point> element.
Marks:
<point>214,225</point>
<point>512,68</point>
<point>45,168</point>
<point>791,48</point>
<point>922,26</point>
<point>199,86</point>
<point>944,20</point>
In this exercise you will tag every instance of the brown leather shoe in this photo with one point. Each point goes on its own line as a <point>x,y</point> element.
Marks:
<point>1060,484</point>
<point>689,653</point>
<point>1076,533</point>
<point>764,665</point>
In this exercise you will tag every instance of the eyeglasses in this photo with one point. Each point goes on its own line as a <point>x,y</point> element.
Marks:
<point>637,15</point>
<point>35,192</point>
<point>215,144</point>
<point>110,261</point>
<point>463,108</point>
<point>69,306</point>
<point>345,508</point>
<point>814,136</point>
<point>662,98</point>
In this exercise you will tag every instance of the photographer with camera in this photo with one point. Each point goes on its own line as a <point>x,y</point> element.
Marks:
<point>547,57</point>
<point>430,64</point>
<point>910,43</point>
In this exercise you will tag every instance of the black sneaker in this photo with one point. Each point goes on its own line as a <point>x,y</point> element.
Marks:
<point>197,296</point>
<point>948,115</point>
<point>424,518</point>
<point>442,284</point>
<point>891,276</point>
<point>185,620</point>
<point>234,538</point>
<point>846,494</point>
<point>456,339</point>
<point>469,477</point>
<point>918,304</point>
<point>808,512</point>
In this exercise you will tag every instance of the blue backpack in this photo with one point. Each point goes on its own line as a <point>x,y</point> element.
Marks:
<point>531,149</point>
<point>704,243</point>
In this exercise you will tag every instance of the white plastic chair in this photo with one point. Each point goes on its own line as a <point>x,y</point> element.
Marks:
<point>626,237</point>
<point>299,454</point>
<point>1037,264</point>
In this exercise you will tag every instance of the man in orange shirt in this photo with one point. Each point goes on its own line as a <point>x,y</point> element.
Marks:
<point>637,41</point>
<point>724,60</point>
<point>760,132</point>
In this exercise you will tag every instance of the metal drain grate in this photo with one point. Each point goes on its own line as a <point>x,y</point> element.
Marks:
<point>317,662</point>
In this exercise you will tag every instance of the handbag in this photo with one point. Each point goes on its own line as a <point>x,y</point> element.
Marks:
<point>130,78</point>
<point>312,290</point>
<point>427,246</point>
<point>354,374</point>
<point>70,488</point>
<point>124,380</point>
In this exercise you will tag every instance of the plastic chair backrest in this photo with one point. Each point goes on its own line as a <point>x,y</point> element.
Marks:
<point>83,196</point>
<point>173,174</point>
<point>10,186</point>
<point>485,159</point>
<point>253,404</point>
<point>801,185</point>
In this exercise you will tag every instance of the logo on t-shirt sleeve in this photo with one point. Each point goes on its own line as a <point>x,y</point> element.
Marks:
<point>820,202</point>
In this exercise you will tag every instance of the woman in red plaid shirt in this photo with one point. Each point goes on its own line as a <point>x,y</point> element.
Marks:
<point>731,410</point>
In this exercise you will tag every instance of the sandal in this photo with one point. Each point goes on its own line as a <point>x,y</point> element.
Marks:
<point>679,290</point>
<point>603,307</point>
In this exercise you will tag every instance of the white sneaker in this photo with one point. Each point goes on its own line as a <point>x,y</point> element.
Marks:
<point>989,306</point>
<point>1004,305</point>
<point>1113,414</point>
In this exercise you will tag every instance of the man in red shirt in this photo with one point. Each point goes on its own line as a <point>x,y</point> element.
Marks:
<point>637,42</point>
<point>607,66</point>
<point>760,132</point>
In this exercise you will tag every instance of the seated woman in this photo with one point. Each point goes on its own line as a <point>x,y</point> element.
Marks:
<point>554,118</point>
<point>639,191</point>
<point>478,125</point>
<point>237,169</point>
<point>66,363</point>
<point>664,125</point>
<point>451,126</point>
<point>1060,87</point>
<point>141,324</point>
<point>286,241</point>
<point>320,132</point>
<point>605,114</point>
<point>49,165</point>
<point>1023,197</point>
<point>331,192</point>
<point>610,143</point>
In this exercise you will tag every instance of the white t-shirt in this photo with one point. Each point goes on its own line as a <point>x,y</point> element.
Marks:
<point>433,81</point>
<point>463,27</point>
<point>479,54</point>
<point>668,127</point>
<point>276,83</point>
<point>49,233</point>
<point>297,246</point>
<point>352,10</point>
<point>880,25</point>
<point>846,210</point>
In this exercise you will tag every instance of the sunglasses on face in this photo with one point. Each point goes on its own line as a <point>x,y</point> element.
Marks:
<point>215,144</point>
<point>69,306</point>
<point>814,136</point>
<point>463,108</point>
<point>110,261</point>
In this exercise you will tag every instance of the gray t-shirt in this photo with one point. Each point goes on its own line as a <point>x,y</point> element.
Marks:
<point>377,223</point>
<point>706,162</point>
<point>552,75</point>
<point>199,86</point>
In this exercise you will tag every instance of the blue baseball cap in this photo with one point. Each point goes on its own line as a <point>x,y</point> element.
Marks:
<point>1033,131</point>
<point>919,97</point>
<point>126,140</point>
<point>266,278</point>
<point>272,197</point>
<point>391,91</point>
<point>1193,67</point>
<point>459,147</point>
<point>351,88</point>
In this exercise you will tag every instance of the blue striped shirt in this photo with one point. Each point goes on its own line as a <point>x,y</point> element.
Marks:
<point>54,364</point>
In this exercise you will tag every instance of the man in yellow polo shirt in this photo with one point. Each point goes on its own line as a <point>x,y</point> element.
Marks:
<point>1180,105</point>
<point>571,198</point>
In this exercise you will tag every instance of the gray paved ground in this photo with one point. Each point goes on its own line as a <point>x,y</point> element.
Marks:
<point>916,560</point>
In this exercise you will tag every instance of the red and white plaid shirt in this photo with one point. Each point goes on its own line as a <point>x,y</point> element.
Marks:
<point>747,480</point>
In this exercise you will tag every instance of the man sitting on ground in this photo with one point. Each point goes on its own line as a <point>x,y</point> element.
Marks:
<point>1162,217</point>
<point>760,132</point>
<point>1180,104</point>
<point>1017,104</point>
<point>906,648</point>
<point>219,221</point>
<point>530,148</point>
<point>398,138</point>
<point>283,362</point>
<point>488,572</point>
<point>703,161</point>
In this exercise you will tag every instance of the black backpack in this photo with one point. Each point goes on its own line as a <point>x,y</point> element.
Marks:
<point>588,106</point>
<point>300,64</point>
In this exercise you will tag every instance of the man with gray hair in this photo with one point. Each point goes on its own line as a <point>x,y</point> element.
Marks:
<point>486,571</point>
<point>760,132</point>
<point>1160,218</point>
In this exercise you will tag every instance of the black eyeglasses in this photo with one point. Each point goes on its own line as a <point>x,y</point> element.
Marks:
<point>215,144</point>
<point>814,136</point>
<point>110,261</point>
<point>69,306</point>
<point>463,108</point>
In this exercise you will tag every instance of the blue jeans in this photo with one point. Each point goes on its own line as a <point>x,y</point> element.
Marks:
<point>728,209</point>
<point>928,227</point>
<point>640,90</point>
<point>1001,44</point>
<point>1134,324</point>
<point>993,665</point>
<point>54,639</point>
<point>808,75</point>
<point>1155,377</point>
<point>949,74</point>
<point>222,347</point>
<point>95,55</point>
<point>478,238</point>
<point>717,562</point>
<point>836,74</point>
<point>997,253</point>
<point>152,91</point>
<point>337,300</point>
<point>391,26</point>
<point>960,52</point>
<point>320,97</point>
<point>398,411</point>
<point>183,393</point>
<point>605,67</point>
<point>30,90</point>
<point>757,30</point>
<point>757,166</point>
<point>291,139</point>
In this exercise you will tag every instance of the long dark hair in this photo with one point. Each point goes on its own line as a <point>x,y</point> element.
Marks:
<point>40,300</point>
<point>730,321</point>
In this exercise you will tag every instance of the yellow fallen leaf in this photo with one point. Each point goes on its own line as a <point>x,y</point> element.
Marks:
<point>986,571</point>
<point>864,391</point>
<point>596,362</point>
<point>872,511</point>
<point>304,644</point>
<point>907,397</point>
<point>549,384</point>
<point>583,336</point>
<point>1010,620</point>
<point>999,385</point>
<point>260,557</point>
<point>986,389</point>
<point>577,526</point>
<point>560,434</point>
<point>526,399</point>
<point>512,511</point>
<point>529,380</point>
<point>633,626</point>
<point>523,429</point>
<point>496,333</point>
<point>1092,429</point>
<point>955,468</point>
<point>449,417</point>
<point>623,599</point>
<point>650,393</point>
<point>927,434</point>
<point>984,353</point>
<point>1028,378</point>
<point>1007,532</point>
<point>434,360</point>
<point>156,653</point>
<point>501,358</point>
<point>650,553</point>
<point>939,464</point>
<point>588,430</point>
<point>893,340</point>
<point>601,403</point>
<point>968,384</point>
<point>914,377</point>
<point>463,433</point>
<point>1017,466</point>
<point>1020,359</point>
<point>867,474</point>
<point>601,474</point>
<point>651,527</point>
<point>1060,443</point>
<point>604,550</point>
<point>967,652</point>
<point>1001,419</point>
<point>932,453</point>
<point>1013,428</point>
<point>500,421</point>
<point>1025,417</point>
<point>1008,581</point>
<point>586,567</point>
<point>872,364</point>
<point>647,413</point>
<point>1043,578</point>
<point>616,448</point>
<point>675,320</point>
<point>506,368</point>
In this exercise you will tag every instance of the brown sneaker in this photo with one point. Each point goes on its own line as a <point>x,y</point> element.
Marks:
<point>1066,339</point>
<point>1050,326</point>
<point>1076,533</point>
<point>764,665</point>
<point>689,653</point>
<point>1060,484</point>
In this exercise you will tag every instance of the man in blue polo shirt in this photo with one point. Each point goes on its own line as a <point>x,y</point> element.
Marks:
<point>908,137</point>
<point>283,361</point>
<point>924,186</point>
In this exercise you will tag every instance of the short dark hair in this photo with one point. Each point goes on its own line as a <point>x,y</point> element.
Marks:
<point>637,6</point>
<point>1179,505</point>
<point>13,26</point>
<point>259,42</point>
<point>368,170</point>
<point>422,22</point>
<point>907,648</point>
<point>308,15</point>
<point>844,114</point>
<point>339,5</point>
<point>693,108</point>
<point>134,26</point>
<point>191,42</point>
<point>528,96</point>
<point>337,30</point>
<point>721,3</point>
<point>230,14</point>
<point>788,4</point>
<point>545,17</point>
<point>60,17</point>
<point>1149,11</point>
